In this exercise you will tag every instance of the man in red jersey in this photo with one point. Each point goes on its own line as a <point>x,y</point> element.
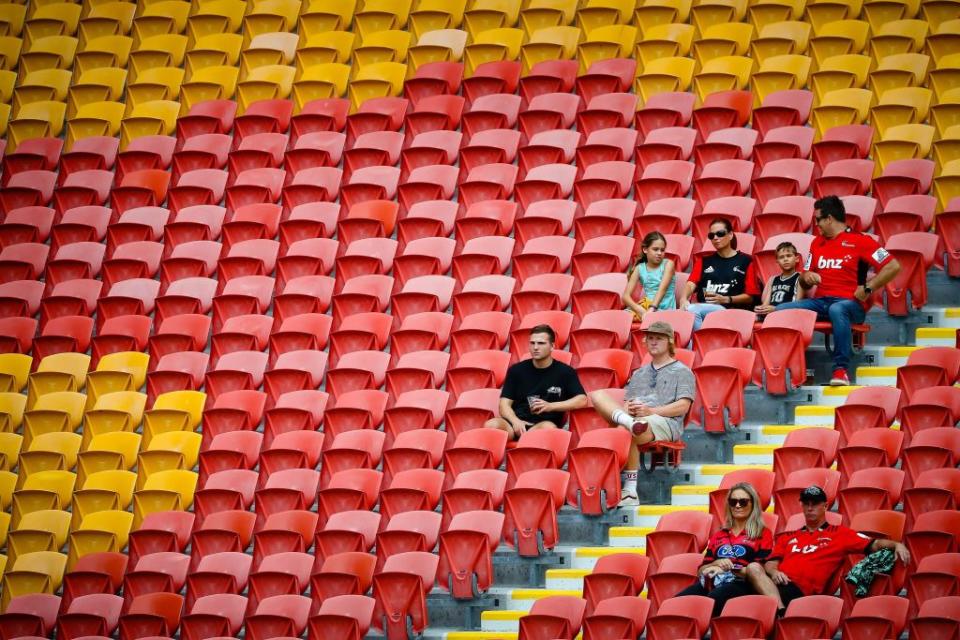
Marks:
<point>803,562</point>
<point>837,266</point>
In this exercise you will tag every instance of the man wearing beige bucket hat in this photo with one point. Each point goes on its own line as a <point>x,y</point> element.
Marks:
<point>656,400</point>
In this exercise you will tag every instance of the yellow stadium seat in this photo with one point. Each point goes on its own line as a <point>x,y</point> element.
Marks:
<point>170,490</point>
<point>54,451</point>
<point>900,70</point>
<point>380,15</point>
<point>161,50</point>
<point>331,46</point>
<point>843,106</point>
<point>99,532</point>
<point>214,50</point>
<point>320,16</point>
<point>8,83</point>
<point>665,41</point>
<point>59,411</point>
<point>160,18</point>
<point>822,12</point>
<point>103,491</point>
<point>266,83</point>
<point>170,450</point>
<point>37,120</point>
<point>58,372</point>
<point>493,45</point>
<point>441,45</point>
<point>155,118</point>
<point>726,73</point>
<point>216,16</point>
<point>4,118</point>
<point>174,411</point>
<point>945,40</point>
<point>551,43</point>
<point>763,13</point>
<point>839,38</point>
<point>95,119</point>
<point>52,52</point>
<point>105,51</point>
<point>14,371</point>
<point>781,39</point>
<point>706,13</point>
<point>779,73</point>
<point>327,80</point>
<point>724,39</point>
<point>8,484</point>
<point>650,13</point>
<point>382,46</point>
<point>158,83</point>
<point>946,186</point>
<point>603,43</point>
<point>117,411</point>
<point>900,36</point>
<point>97,85</point>
<point>44,530</point>
<point>484,15</point>
<point>378,80</point>
<point>57,19</point>
<point>4,532</point>
<point>436,15</point>
<point>883,12</point>
<point>10,444</point>
<point>665,74</point>
<point>10,47</point>
<point>271,16</point>
<point>903,142</point>
<point>12,18</point>
<point>841,72</point>
<point>946,112</point>
<point>936,12</point>
<point>540,14</point>
<point>107,19</point>
<point>210,83</point>
<point>39,572</point>
<point>268,48</point>
<point>43,490</point>
<point>905,105</point>
<point>119,371</point>
<point>595,14</point>
<point>12,406</point>
<point>947,148</point>
<point>114,451</point>
<point>947,75</point>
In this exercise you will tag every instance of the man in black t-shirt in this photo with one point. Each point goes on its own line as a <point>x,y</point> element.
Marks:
<point>537,393</point>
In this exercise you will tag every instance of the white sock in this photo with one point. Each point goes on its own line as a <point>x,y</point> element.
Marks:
<point>622,418</point>
<point>628,476</point>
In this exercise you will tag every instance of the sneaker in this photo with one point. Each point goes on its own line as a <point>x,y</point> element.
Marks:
<point>628,498</point>
<point>839,378</point>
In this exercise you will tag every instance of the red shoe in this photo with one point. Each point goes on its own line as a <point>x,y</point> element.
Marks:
<point>639,428</point>
<point>839,378</point>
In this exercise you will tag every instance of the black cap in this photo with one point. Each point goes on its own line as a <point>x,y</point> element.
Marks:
<point>814,494</point>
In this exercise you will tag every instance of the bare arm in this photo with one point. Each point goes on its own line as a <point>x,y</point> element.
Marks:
<point>506,412</point>
<point>765,298</point>
<point>885,275</point>
<point>772,567</point>
<point>576,402</point>
<point>675,409</point>
<point>900,550</point>
<point>626,298</point>
<point>688,290</point>
<point>668,271</point>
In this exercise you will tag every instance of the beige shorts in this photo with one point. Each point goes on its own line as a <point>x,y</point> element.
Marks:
<point>659,427</point>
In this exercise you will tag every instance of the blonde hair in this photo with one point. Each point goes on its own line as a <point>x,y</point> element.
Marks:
<point>754,525</point>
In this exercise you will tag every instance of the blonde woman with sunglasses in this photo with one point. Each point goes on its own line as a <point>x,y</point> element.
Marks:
<point>739,547</point>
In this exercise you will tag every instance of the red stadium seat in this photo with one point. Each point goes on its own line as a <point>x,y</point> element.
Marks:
<point>937,618</point>
<point>934,489</point>
<point>325,114</point>
<point>30,614</point>
<point>811,616</point>
<point>476,489</point>
<point>804,449</point>
<point>415,409</point>
<point>935,448</point>
<point>877,616</point>
<point>466,551</point>
<point>916,252</point>
<point>349,573</point>
<point>684,616</point>
<point>540,449</point>
<point>217,613</point>
<point>345,616</point>
<point>345,532</point>
<point>868,449</point>
<point>153,614</point>
<point>531,507</point>
<point>553,617</point>
<point>473,407</point>
<point>615,575</point>
<point>781,343</point>
<point>411,490</point>
<point>866,408</point>
<point>871,490</point>
<point>594,467</point>
<point>284,615</point>
<point>400,592</point>
<point>406,532</point>
<point>721,379</point>
<point>492,77</point>
<point>667,109</point>
<point>747,616</point>
<point>930,407</point>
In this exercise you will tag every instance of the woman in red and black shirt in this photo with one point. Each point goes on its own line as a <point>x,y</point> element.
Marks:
<point>742,540</point>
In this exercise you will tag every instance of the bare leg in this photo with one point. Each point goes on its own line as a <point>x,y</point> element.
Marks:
<point>543,424</point>
<point>762,583</point>
<point>502,425</point>
<point>605,405</point>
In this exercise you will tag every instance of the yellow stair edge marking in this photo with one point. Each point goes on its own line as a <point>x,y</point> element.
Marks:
<point>502,615</point>
<point>814,410</point>
<point>899,352</point>
<point>693,489</point>
<point>481,635</point>
<point>785,429</point>
<point>629,532</point>
<point>748,449</point>
<point>599,552</point>
<point>953,312</point>
<point>721,469</point>
<point>936,332</point>
<point>567,573</point>
<point>663,509</point>
<point>885,372</point>
<point>536,594</point>
<point>840,391</point>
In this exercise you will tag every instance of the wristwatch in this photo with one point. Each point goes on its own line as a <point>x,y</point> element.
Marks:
<point>868,289</point>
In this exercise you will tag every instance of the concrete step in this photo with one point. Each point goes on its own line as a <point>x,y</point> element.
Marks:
<point>712,474</point>
<point>586,557</point>
<point>754,454</point>
<point>471,635</point>
<point>648,515</point>
<point>566,579</point>
<point>691,494</point>
<point>629,537</point>
<point>813,415</point>
<point>937,336</point>
<point>947,317</point>
<point>877,376</point>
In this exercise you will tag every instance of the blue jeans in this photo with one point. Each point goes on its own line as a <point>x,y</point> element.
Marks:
<point>701,310</point>
<point>841,312</point>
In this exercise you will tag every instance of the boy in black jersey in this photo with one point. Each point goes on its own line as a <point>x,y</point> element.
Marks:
<point>785,286</point>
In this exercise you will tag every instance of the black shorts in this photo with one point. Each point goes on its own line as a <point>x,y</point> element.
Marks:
<point>788,592</point>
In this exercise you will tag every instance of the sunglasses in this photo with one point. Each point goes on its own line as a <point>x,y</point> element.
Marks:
<point>739,502</point>
<point>717,234</point>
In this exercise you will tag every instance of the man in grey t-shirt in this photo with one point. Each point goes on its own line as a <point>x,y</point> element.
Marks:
<point>657,399</point>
